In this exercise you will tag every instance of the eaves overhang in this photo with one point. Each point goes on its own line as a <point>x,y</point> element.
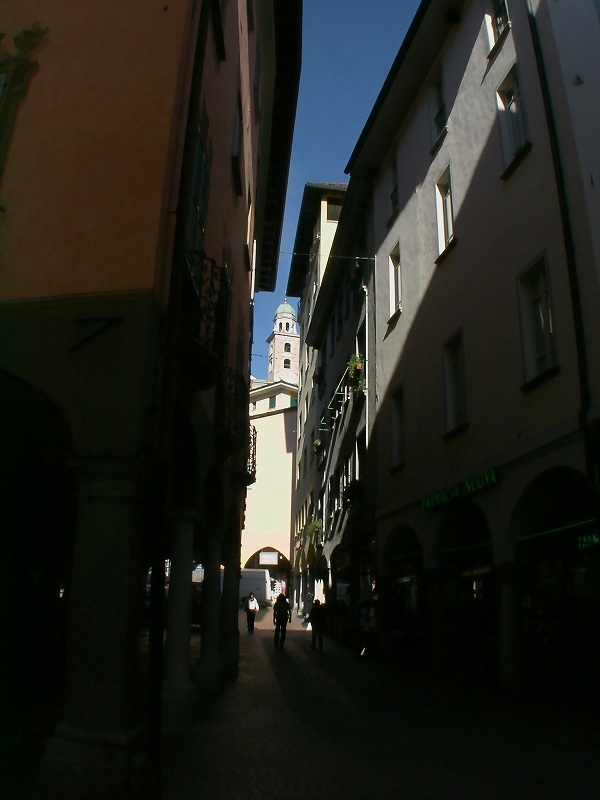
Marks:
<point>417,55</point>
<point>288,57</point>
<point>342,257</point>
<point>309,211</point>
<point>274,388</point>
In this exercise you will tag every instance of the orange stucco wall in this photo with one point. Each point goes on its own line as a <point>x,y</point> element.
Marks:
<point>99,171</point>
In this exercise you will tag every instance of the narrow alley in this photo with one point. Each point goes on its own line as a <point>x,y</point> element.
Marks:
<point>303,725</point>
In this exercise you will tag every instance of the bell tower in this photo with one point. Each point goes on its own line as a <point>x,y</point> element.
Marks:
<point>284,346</point>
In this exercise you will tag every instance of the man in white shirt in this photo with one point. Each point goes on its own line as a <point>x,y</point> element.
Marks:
<point>252,607</point>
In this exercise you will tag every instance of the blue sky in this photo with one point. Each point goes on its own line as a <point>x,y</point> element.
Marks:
<point>348,49</point>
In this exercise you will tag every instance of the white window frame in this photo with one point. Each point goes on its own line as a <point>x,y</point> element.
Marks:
<point>538,337</point>
<point>439,114</point>
<point>455,382</point>
<point>395,273</point>
<point>500,19</point>
<point>513,122</point>
<point>445,210</point>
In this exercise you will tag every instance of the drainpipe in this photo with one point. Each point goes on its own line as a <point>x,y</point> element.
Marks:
<point>559,176</point>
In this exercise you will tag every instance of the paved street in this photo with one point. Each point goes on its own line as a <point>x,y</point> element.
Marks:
<point>301,725</point>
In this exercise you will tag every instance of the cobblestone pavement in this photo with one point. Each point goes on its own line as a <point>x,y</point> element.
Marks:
<point>304,725</point>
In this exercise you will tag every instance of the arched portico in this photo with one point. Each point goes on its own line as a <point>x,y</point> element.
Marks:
<point>278,564</point>
<point>399,586</point>
<point>467,617</point>
<point>554,526</point>
<point>38,512</point>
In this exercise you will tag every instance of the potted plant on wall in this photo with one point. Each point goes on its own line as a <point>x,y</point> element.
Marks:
<point>355,372</point>
<point>317,446</point>
<point>314,529</point>
<point>355,367</point>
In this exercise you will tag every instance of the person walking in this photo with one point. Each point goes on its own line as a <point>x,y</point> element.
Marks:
<point>317,620</point>
<point>252,607</point>
<point>308,604</point>
<point>282,614</point>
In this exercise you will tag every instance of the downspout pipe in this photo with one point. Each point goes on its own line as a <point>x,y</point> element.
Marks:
<point>570,254</point>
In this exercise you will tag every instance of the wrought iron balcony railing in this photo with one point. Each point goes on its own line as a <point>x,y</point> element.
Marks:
<point>232,420</point>
<point>205,320</point>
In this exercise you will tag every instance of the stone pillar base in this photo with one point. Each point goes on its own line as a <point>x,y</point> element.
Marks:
<point>180,708</point>
<point>208,678</point>
<point>80,764</point>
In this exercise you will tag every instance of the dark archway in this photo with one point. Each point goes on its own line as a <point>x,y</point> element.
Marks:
<point>468,612</point>
<point>398,588</point>
<point>557,544</point>
<point>38,511</point>
<point>279,566</point>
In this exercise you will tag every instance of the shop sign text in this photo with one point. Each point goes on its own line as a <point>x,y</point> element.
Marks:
<point>470,486</point>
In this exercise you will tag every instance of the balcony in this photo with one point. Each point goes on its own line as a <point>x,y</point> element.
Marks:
<point>232,422</point>
<point>205,321</point>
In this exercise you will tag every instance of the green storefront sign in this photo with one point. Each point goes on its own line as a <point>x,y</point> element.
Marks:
<point>470,486</point>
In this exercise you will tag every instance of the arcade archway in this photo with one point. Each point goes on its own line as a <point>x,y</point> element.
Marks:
<point>557,546</point>
<point>467,589</point>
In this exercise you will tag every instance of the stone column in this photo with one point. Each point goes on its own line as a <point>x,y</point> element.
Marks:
<point>230,634</point>
<point>433,617</point>
<point>509,666</point>
<point>208,670</point>
<point>179,692</point>
<point>96,752</point>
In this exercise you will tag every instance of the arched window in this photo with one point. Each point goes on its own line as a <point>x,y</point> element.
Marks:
<point>287,326</point>
<point>287,364</point>
<point>287,347</point>
<point>280,326</point>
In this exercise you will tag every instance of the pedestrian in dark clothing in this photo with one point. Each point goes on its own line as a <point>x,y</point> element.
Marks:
<point>282,614</point>
<point>252,608</point>
<point>317,620</point>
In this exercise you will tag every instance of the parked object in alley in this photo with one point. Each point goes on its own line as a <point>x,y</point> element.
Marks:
<point>257,581</point>
<point>282,614</point>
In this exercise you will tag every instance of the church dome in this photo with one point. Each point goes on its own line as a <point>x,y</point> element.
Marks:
<point>285,308</point>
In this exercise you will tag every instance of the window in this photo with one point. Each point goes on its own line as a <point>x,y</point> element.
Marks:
<point>439,105</point>
<point>500,21</point>
<point>445,211</point>
<point>512,119</point>
<point>198,209</point>
<point>398,428</point>
<point>272,401</point>
<point>287,364</point>
<point>395,281</point>
<point>334,208</point>
<point>237,149</point>
<point>287,347</point>
<point>293,402</point>
<point>256,87</point>
<point>454,383</point>
<point>537,327</point>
